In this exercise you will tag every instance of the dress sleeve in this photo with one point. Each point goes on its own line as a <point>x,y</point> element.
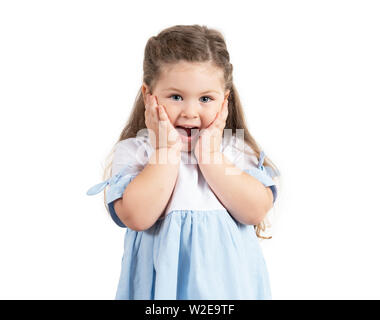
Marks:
<point>249,163</point>
<point>129,160</point>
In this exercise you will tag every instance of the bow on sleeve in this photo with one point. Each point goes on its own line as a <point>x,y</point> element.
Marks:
<point>264,174</point>
<point>110,181</point>
<point>268,169</point>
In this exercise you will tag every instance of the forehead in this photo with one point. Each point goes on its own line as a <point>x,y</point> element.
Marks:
<point>191,76</point>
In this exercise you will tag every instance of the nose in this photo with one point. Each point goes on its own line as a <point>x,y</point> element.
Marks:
<point>190,110</point>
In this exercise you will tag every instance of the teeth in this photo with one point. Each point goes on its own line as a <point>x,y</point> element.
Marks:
<point>187,127</point>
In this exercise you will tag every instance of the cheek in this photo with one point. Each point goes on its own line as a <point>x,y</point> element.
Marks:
<point>172,112</point>
<point>208,116</point>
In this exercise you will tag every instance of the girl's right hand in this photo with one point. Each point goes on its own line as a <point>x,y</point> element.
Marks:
<point>157,120</point>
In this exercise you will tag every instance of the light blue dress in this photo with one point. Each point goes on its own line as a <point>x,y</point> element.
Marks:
<point>196,249</point>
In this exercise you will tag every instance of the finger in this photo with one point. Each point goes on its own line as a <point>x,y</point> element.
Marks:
<point>155,107</point>
<point>225,115</point>
<point>221,113</point>
<point>152,106</point>
<point>149,105</point>
<point>222,116</point>
<point>155,100</point>
<point>156,114</point>
<point>162,114</point>
<point>212,124</point>
<point>224,110</point>
<point>147,101</point>
<point>151,101</point>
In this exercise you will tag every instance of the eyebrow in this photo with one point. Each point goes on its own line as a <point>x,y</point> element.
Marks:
<point>175,89</point>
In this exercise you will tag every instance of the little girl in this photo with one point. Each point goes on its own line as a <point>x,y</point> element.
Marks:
<point>188,181</point>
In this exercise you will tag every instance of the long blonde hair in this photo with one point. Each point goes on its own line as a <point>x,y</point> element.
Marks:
<point>191,43</point>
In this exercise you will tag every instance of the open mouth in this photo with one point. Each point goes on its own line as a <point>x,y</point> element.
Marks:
<point>188,132</point>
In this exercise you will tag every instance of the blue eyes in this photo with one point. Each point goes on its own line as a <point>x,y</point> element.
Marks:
<point>176,95</point>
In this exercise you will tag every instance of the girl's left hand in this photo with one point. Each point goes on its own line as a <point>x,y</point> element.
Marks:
<point>210,139</point>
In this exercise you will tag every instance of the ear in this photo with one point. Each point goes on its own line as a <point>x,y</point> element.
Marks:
<point>144,91</point>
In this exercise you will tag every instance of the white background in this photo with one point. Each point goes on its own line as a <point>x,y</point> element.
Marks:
<point>308,74</point>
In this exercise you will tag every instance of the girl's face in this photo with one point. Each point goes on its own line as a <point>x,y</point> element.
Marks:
<point>192,94</point>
